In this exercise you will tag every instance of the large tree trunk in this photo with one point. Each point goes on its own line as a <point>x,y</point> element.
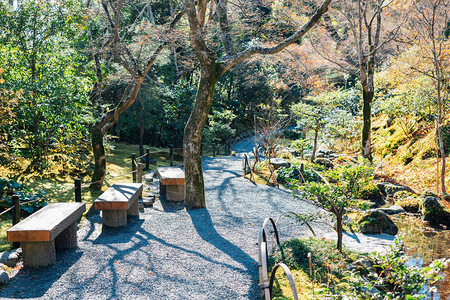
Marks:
<point>99,158</point>
<point>194,186</point>
<point>367,124</point>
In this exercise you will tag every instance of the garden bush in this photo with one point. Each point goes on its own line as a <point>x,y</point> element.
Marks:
<point>292,174</point>
<point>11,187</point>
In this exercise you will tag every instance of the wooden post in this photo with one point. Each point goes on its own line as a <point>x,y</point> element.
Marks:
<point>139,173</point>
<point>310,264</point>
<point>256,145</point>
<point>171,156</point>
<point>147,162</point>
<point>16,211</point>
<point>133,166</point>
<point>77,190</point>
<point>302,171</point>
<point>16,215</point>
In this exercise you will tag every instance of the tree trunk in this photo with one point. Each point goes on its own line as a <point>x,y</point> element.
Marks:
<point>339,232</point>
<point>367,124</point>
<point>141,129</point>
<point>316,136</point>
<point>194,186</point>
<point>99,158</point>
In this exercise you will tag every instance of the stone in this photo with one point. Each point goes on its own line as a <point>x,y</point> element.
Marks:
<point>279,163</point>
<point>434,212</point>
<point>150,176</point>
<point>148,201</point>
<point>320,155</point>
<point>392,210</point>
<point>376,221</point>
<point>4,278</point>
<point>324,162</point>
<point>19,251</point>
<point>9,258</point>
<point>389,189</point>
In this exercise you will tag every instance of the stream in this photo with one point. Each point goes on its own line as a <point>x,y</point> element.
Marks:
<point>425,244</point>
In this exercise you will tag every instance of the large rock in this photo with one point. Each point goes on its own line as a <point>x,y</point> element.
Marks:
<point>392,210</point>
<point>9,258</point>
<point>376,221</point>
<point>434,212</point>
<point>279,163</point>
<point>389,189</point>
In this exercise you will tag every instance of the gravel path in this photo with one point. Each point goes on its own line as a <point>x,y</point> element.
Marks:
<point>169,252</point>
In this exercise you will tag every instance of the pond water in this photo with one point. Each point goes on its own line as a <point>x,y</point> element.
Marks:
<point>425,244</point>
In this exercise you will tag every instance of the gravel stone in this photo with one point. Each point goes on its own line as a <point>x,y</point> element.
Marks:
<point>169,252</point>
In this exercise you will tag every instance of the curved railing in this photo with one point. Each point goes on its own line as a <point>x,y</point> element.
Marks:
<point>266,283</point>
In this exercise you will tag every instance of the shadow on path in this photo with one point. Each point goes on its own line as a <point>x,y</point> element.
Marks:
<point>204,226</point>
<point>35,282</point>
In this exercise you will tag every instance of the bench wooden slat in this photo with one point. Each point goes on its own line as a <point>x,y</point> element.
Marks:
<point>170,176</point>
<point>119,196</point>
<point>47,223</point>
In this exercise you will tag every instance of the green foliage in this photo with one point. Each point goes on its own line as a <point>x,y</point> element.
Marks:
<point>301,145</point>
<point>395,278</point>
<point>369,191</point>
<point>328,262</point>
<point>219,131</point>
<point>40,62</point>
<point>346,184</point>
<point>333,113</point>
<point>375,276</point>
<point>292,174</point>
<point>11,187</point>
<point>292,134</point>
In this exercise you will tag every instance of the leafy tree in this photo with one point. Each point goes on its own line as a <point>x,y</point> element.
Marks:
<point>135,50</point>
<point>218,131</point>
<point>365,27</point>
<point>214,63</point>
<point>338,196</point>
<point>39,62</point>
<point>312,113</point>
<point>428,24</point>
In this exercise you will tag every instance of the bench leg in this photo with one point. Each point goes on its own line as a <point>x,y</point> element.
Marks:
<point>162,189</point>
<point>38,254</point>
<point>114,218</point>
<point>134,208</point>
<point>175,193</point>
<point>67,239</point>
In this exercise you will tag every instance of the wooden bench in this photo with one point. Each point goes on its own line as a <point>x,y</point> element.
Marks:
<point>50,228</point>
<point>118,202</point>
<point>171,183</point>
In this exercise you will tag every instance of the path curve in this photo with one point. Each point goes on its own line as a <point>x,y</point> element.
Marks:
<point>169,252</point>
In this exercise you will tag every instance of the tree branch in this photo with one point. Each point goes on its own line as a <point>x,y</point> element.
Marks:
<point>228,62</point>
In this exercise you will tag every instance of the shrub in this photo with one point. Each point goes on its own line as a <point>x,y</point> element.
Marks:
<point>373,276</point>
<point>292,134</point>
<point>369,191</point>
<point>292,174</point>
<point>326,259</point>
<point>11,187</point>
<point>396,279</point>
